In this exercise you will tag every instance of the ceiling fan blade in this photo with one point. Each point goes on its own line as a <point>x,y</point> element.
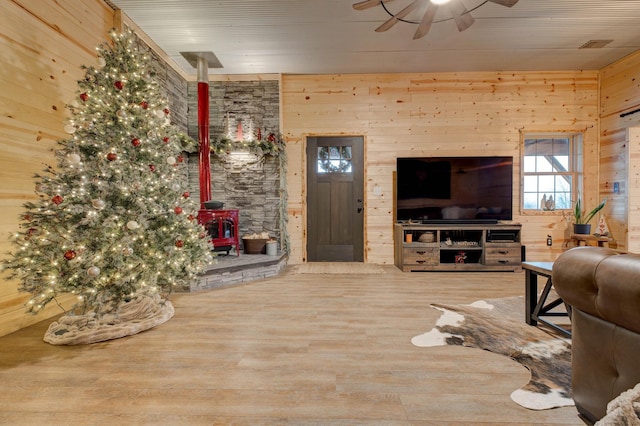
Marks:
<point>461,15</point>
<point>395,18</point>
<point>507,3</point>
<point>366,4</point>
<point>427,20</point>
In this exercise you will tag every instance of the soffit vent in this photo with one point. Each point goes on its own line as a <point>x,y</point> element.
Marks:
<point>595,44</point>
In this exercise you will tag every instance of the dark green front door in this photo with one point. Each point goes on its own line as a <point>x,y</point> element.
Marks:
<point>335,199</point>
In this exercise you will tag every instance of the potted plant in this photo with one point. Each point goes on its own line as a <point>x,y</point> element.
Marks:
<point>581,219</point>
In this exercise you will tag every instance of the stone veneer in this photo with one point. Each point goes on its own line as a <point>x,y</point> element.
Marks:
<point>172,83</point>
<point>241,180</point>
<point>231,270</point>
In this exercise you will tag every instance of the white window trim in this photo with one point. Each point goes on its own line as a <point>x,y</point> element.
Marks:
<point>576,158</point>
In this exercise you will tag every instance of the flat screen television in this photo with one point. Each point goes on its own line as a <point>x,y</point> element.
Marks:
<point>454,189</point>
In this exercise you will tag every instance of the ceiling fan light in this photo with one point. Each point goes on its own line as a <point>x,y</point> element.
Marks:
<point>439,2</point>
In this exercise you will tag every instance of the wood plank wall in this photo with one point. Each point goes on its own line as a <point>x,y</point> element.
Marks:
<point>620,150</point>
<point>444,114</point>
<point>42,45</point>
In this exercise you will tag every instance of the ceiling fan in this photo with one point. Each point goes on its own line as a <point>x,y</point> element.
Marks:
<point>456,8</point>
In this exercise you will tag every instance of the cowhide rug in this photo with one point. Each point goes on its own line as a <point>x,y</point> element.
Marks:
<point>498,326</point>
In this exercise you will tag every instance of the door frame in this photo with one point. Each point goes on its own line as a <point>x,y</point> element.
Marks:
<point>305,189</point>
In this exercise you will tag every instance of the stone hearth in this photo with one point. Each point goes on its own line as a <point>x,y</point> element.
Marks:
<point>232,270</point>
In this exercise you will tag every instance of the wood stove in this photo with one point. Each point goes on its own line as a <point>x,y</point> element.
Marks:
<point>222,226</point>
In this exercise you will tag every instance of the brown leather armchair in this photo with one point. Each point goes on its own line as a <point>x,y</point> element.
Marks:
<point>603,288</point>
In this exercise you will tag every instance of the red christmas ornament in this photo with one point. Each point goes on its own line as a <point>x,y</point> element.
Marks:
<point>112,156</point>
<point>166,111</point>
<point>31,232</point>
<point>180,158</point>
<point>202,235</point>
<point>177,210</point>
<point>179,243</point>
<point>84,97</point>
<point>119,85</point>
<point>165,140</point>
<point>57,200</point>
<point>186,194</point>
<point>135,142</point>
<point>152,167</point>
<point>69,254</point>
<point>144,104</point>
<point>191,217</point>
<point>27,217</point>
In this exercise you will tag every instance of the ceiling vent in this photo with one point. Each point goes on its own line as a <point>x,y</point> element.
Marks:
<point>595,44</point>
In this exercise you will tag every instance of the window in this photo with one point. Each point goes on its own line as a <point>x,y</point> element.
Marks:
<point>551,171</point>
<point>334,159</point>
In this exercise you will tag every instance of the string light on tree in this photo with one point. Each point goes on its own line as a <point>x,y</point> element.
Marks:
<point>113,213</point>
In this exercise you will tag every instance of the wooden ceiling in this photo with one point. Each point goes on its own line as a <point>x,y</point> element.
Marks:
<point>330,37</point>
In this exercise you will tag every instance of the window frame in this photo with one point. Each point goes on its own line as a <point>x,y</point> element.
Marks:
<point>575,162</point>
<point>328,162</point>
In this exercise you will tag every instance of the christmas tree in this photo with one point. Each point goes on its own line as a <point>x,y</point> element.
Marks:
<point>114,222</point>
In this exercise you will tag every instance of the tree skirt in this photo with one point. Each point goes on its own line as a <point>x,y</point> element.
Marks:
<point>498,326</point>
<point>140,314</point>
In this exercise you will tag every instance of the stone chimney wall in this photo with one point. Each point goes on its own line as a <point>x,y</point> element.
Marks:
<point>240,179</point>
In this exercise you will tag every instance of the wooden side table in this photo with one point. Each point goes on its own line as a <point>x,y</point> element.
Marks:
<point>585,239</point>
<point>537,307</point>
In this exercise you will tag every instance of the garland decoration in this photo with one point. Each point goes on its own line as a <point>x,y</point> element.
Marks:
<point>271,146</point>
<point>274,146</point>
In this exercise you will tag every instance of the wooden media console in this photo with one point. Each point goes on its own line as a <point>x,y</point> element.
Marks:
<point>457,247</point>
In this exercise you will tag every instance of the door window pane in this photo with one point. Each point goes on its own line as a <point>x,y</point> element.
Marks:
<point>334,159</point>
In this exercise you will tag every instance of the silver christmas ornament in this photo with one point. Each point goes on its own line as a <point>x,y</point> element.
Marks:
<point>73,159</point>
<point>98,203</point>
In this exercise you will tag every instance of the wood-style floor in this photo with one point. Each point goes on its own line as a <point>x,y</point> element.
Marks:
<point>300,349</point>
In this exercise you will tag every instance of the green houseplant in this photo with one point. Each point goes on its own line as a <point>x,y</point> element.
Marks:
<point>581,219</point>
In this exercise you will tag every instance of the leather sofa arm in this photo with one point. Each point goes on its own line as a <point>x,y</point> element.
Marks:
<point>601,282</point>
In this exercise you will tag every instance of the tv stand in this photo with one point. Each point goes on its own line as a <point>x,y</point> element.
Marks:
<point>457,247</point>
